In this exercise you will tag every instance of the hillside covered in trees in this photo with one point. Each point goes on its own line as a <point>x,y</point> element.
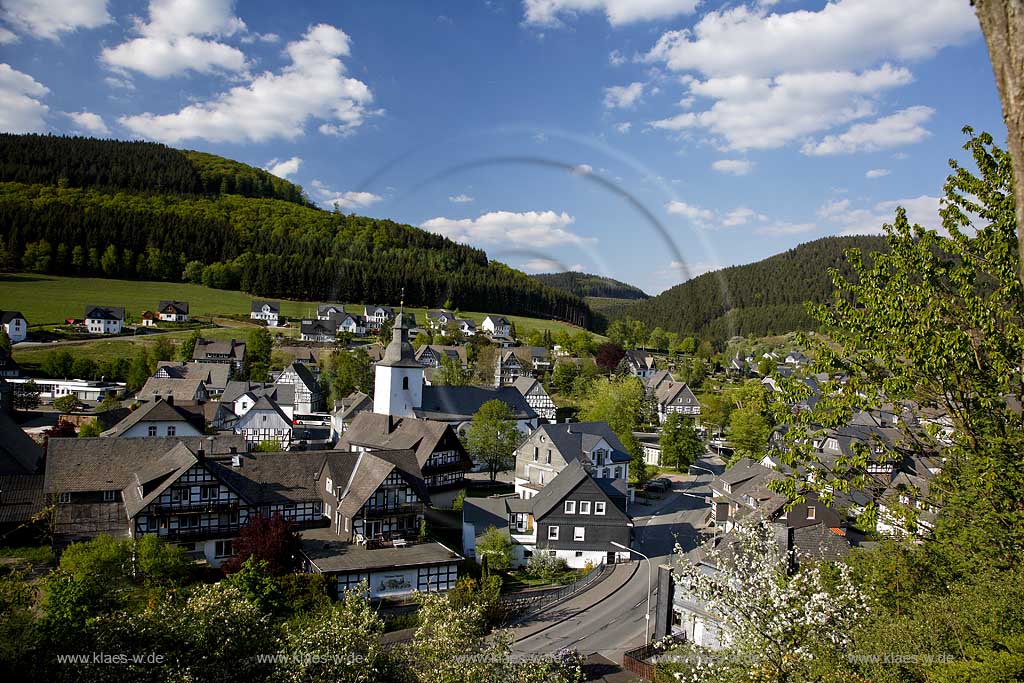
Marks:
<point>585,284</point>
<point>134,210</point>
<point>766,297</point>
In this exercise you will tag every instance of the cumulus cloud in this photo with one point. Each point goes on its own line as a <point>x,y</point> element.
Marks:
<point>7,37</point>
<point>623,96</point>
<point>623,127</point>
<point>767,113</point>
<point>741,216</point>
<point>699,216</point>
<point>50,18</point>
<point>582,169</point>
<point>343,200</point>
<point>877,173</point>
<point>843,35</point>
<point>536,228</point>
<point>274,105</point>
<point>285,168</point>
<point>460,199</point>
<point>760,93</point>
<point>88,122</point>
<point>176,39</point>
<point>616,58</point>
<point>709,219</point>
<point>868,220</point>
<point>901,128</point>
<point>21,110</point>
<point>619,12</point>
<point>733,166</point>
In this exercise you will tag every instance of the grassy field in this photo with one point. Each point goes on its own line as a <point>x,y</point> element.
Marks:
<point>47,300</point>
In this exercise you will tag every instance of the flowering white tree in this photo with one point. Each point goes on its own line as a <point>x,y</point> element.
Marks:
<point>774,621</point>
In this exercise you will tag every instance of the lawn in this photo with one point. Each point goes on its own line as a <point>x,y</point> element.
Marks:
<point>49,299</point>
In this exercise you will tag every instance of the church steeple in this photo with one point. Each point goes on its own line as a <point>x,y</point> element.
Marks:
<point>398,385</point>
<point>399,353</point>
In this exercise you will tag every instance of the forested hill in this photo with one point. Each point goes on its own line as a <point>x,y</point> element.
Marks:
<point>759,298</point>
<point>132,210</point>
<point>136,166</point>
<point>585,284</point>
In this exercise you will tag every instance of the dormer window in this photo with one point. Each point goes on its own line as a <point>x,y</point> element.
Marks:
<point>811,512</point>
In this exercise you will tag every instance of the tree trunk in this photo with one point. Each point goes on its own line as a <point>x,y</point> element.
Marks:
<point>1002,22</point>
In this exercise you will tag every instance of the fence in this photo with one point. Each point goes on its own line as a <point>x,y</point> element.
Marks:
<point>524,606</point>
<point>636,660</point>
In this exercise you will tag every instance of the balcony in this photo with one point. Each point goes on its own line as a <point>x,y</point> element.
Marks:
<point>184,507</point>
<point>392,510</point>
<point>194,533</point>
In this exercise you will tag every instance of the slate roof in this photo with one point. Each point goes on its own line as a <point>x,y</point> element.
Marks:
<point>8,316</point>
<point>675,393</point>
<point>19,454</point>
<point>219,350</point>
<point>103,464</point>
<point>358,475</point>
<point>525,383</point>
<point>158,411</point>
<point>444,403</point>
<point>329,554</point>
<point>304,354</point>
<point>327,309</point>
<point>178,307</point>
<point>213,375</point>
<point>282,394</point>
<point>94,312</point>
<point>154,477</point>
<point>353,404</point>
<point>551,496</point>
<point>318,328</point>
<point>454,352</point>
<point>21,497</point>
<point>369,311</point>
<point>575,439</point>
<point>305,376</point>
<point>274,478</point>
<point>420,436</point>
<point>257,306</point>
<point>263,403</point>
<point>180,390</point>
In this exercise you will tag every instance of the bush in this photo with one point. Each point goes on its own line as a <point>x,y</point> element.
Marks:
<point>545,566</point>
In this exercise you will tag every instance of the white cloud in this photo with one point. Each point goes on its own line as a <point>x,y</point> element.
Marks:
<point>7,37</point>
<point>700,216</point>
<point>343,200</point>
<point>618,12</point>
<point>877,173</point>
<point>901,128</point>
<point>285,168</point>
<point>843,35</point>
<point>171,44</point>
<point>616,58</point>
<point>765,94</point>
<point>623,96</point>
<point>460,199</point>
<point>623,127</point>
<point>733,166</point>
<point>273,105</point>
<point>88,122</point>
<point>851,220</point>
<point>741,216</point>
<point>50,18</point>
<point>536,228</point>
<point>767,113</point>
<point>21,110</point>
<point>582,169</point>
<point>577,267</point>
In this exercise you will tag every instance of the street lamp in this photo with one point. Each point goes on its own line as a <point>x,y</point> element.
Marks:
<point>647,616</point>
<point>698,467</point>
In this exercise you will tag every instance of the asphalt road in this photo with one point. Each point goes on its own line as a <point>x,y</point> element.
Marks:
<point>617,623</point>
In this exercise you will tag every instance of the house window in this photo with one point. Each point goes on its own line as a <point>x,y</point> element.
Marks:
<point>330,485</point>
<point>151,431</point>
<point>223,549</point>
<point>811,512</point>
<point>579,533</point>
<point>552,533</point>
<point>549,456</point>
<point>599,507</point>
<point>64,498</point>
<point>208,493</point>
<point>570,507</point>
<point>584,507</point>
<point>536,453</point>
<point>172,430</point>
<point>327,511</point>
<point>405,382</point>
<point>109,496</point>
<point>618,472</point>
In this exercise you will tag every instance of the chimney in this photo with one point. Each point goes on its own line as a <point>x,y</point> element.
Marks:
<point>169,399</point>
<point>201,453</point>
<point>390,424</point>
<point>236,460</point>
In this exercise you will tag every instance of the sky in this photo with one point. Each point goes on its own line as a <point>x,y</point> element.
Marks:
<point>646,140</point>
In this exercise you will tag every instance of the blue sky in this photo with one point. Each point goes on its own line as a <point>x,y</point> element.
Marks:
<point>648,140</point>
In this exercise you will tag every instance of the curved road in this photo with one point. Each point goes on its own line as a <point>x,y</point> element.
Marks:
<point>617,623</point>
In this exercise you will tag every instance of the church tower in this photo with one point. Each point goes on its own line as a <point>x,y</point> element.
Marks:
<point>398,379</point>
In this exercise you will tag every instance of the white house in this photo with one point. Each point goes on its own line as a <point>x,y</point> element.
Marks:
<point>267,311</point>
<point>377,316</point>
<point>322,331</point>
<point>327,311</point>
<point>265,421</point>
<point>14,325</point>
<point>173,311</point>
<point>104,319</point>
<point>496,326</point>
<point>353,324</point>
<point>158,418</point>
<point>82,389</point>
